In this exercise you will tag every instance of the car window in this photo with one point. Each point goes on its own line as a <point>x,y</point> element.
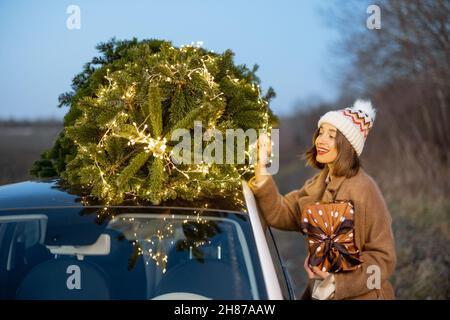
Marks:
<point>135,254</point>
<point>21,243</point>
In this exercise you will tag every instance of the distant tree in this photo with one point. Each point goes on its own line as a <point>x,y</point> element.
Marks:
<point>405,68</point>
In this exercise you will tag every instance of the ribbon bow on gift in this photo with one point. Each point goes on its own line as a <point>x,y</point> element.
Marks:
<point>330,231</point>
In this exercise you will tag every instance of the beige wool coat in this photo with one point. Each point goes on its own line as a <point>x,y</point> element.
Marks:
<point>372,223</point>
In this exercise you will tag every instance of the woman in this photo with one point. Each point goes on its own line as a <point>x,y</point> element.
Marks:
<point>337,144</point>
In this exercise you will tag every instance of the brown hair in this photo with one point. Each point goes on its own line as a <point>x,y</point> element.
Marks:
<point>347,162</point>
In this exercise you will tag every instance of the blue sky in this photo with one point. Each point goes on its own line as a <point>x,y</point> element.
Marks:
<point>39,55</point>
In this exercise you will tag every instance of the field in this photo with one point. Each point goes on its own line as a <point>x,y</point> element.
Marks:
<point>21,143</point>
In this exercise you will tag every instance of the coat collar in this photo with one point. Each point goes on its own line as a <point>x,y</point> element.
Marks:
<point>335,183</point>
<point>318,186</point>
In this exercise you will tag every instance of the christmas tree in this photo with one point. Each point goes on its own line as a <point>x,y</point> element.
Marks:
<point>125,107</point>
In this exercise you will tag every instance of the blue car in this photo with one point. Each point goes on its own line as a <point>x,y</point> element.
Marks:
<point>56,245</point>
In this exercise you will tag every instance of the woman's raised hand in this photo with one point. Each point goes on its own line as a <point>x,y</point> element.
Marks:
<point>264,149</point>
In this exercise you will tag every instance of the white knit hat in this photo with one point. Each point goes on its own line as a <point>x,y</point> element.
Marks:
<point>354,123</point>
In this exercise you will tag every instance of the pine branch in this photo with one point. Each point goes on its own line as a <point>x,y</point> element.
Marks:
<point>155,111</point>
<point>138,161</point>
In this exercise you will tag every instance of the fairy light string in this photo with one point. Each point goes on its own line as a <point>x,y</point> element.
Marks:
<point>194,180</point>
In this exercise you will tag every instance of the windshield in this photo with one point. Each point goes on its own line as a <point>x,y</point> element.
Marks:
<point>129,253</point>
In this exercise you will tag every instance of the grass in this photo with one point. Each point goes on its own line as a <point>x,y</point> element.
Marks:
<point>422,236</point>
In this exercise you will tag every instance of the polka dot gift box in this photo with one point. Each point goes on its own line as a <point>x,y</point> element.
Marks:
<point>330,235</point>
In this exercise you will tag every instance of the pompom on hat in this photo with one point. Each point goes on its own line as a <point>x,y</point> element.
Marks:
<point>354,123</point>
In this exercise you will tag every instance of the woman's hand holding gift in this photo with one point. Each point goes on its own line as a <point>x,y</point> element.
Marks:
<point>313,271</point>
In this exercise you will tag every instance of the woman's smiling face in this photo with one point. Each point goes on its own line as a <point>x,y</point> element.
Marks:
<point>326,144</point>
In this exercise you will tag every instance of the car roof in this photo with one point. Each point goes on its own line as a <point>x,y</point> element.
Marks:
<point>38,193</point>
<point>55,193</point>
